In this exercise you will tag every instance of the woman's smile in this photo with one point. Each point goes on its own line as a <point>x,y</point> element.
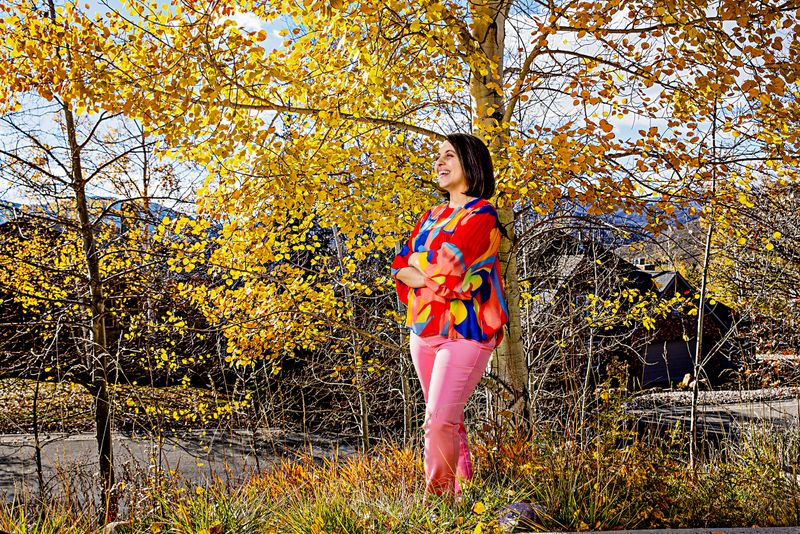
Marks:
<point>449,172</point>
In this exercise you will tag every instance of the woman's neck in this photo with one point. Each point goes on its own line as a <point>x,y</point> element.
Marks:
<point>458,200</point>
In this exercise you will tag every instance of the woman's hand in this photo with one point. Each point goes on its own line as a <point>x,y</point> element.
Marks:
<point>413,260</point>
<point>411,276</point>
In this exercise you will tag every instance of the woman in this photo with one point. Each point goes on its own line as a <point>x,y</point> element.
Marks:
<point>449,276</point>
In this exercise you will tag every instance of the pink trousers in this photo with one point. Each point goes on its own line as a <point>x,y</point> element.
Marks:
<point>449,370</point>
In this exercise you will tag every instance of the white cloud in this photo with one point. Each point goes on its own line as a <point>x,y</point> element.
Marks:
<point>248,21</point>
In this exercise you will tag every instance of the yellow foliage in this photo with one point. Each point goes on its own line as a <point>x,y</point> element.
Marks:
<point>335,125</point>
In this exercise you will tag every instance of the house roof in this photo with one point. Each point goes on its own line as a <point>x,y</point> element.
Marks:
<point>663,280</point>
<point>668,282</point>
<point>567,264</point>
<point>570,258</point>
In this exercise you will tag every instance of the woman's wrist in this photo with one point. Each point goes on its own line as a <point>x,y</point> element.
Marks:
<point>411,276</point>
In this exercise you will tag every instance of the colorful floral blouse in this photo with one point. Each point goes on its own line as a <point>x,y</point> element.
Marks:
<point>463,296</point>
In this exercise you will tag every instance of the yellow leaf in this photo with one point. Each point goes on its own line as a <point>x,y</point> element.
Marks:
<point>478,508</point>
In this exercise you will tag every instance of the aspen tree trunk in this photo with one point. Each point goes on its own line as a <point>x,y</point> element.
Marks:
<point>97,346</point>
<point>363,408</point>
<point>509,364</point>
<point>698,353</point>
<point>581,423</point>
<point>37,444</point>
<point>701,305</point>
<point>145,194</point>
<point>405,386</point>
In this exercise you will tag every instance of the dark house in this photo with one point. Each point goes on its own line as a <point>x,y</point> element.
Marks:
<point>565,275</point>
<point>670,354</point>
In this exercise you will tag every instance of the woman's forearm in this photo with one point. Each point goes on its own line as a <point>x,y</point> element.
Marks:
<point>411,277</point>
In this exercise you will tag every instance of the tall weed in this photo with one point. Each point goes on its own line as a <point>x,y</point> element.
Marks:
<point>605,477</point>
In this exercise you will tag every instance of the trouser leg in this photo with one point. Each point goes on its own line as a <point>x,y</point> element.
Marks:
<point>448,377</point>
<point>464,471</point>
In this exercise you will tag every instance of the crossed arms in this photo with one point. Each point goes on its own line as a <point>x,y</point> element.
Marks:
<point>412,276</point>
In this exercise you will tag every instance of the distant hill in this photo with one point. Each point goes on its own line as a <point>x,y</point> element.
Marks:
<point>617,228</point>
<point>8,210</point>
<point>627,236</point>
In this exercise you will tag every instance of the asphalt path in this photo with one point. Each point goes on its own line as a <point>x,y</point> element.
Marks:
<point>725,419</point>
<point>195,457</point>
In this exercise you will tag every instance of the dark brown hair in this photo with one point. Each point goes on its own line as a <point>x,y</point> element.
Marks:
<point>477,164</point>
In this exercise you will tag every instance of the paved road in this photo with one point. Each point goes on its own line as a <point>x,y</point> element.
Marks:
<point>196,457</point>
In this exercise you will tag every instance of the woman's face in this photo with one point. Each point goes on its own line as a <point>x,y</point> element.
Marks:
<point>449,172</point>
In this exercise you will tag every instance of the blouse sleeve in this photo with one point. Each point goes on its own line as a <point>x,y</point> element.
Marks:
<point>462,264</point>
<point>401,260</point>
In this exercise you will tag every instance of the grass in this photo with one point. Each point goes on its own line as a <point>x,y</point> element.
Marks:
<point>67,407</point>
<point>609,481</point>
<point>61,406</point>
<point>600,477</point>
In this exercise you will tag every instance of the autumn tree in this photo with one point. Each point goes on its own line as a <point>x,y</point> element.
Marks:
<point>77,258</point>
<point>606,104</point>
<point>67,175</point>
<point>756,267</point>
